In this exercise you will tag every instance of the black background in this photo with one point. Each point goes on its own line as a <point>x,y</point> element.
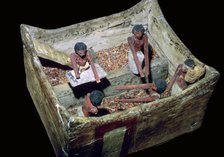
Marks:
<point>196,24</point>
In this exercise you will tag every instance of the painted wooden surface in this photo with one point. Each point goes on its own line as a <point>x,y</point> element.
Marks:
<point>155,122</point>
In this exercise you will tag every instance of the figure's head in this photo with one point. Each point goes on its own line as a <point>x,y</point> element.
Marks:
<point>80,49</point>
<point>160,85</point>
<point>189,63</point>
<point>96,98</point>
<point>138,30</point>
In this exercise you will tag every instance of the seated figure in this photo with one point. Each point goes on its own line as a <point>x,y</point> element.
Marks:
<point>92,105</point>
<point>155,89</point>
<point>185,75</point>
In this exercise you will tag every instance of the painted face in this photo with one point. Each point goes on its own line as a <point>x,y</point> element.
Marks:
<point>81,53</point>
<point>93,110</point>
<point>138,35</point>
<point>185,67</point>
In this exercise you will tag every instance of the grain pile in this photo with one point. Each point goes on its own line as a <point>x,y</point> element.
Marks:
<point>116,57</point>
<point>113,58</point>
<point>55,76</point>
<point>116,106</point>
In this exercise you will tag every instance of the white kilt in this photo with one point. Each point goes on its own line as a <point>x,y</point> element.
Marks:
<point>132,66</point>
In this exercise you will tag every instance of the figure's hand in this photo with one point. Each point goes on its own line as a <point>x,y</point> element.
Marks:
<point>116,100</point>
<point>146,73</point>
<point>98,79</point>
<point>78,76</point>
<point>181,77</point>
<point>142,75</point>
<point>93,110</point>
<point>153,86</point>
<point>180,70</point>
<point>141,72</point>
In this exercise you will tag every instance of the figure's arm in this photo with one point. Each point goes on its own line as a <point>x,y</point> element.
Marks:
<point>137,100</point>
<point>172,81</point>
<point>139,86</point>
<point>89,108</point>
<point>74,65</point>
<point>85,109</point>
<point>146,53</point>
<point>137,62</point>
<point>90,58</point>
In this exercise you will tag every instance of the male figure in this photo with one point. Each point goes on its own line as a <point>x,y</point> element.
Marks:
<point>138,44</point>
<point>156,89</point>
<point>81,60</point>
<point>185,75</point>
<point>92,105</point>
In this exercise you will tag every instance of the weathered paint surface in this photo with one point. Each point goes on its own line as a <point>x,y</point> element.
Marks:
<point>155,122</point>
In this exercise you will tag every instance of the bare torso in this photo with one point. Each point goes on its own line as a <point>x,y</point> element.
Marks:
<point>79,60</point>
<point>137,43</point>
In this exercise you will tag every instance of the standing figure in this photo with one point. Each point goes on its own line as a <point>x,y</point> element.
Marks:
<point>139,51</point>
<point>82,60</point>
